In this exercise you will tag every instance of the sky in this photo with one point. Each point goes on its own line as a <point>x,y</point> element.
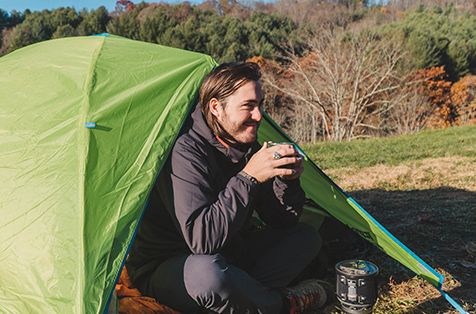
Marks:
<point>36,5</point>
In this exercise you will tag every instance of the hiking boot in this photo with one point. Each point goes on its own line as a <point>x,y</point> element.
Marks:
<point>306,296</point>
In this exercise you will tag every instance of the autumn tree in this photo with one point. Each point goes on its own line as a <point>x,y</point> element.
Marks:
<point>437,88</point>
<point>412,4</point>
<point>312,13</point>
<point>124,6</point>
<point>427,98</point>
<point>411,108</point>
<point>463,96</point>
<point>344,83</point>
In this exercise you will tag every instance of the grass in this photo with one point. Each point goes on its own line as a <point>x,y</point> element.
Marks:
<point>422,188</point>
<point>455,141</point>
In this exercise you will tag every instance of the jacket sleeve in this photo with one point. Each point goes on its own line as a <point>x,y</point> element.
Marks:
<point>207,218</point>
<point>280,202</point>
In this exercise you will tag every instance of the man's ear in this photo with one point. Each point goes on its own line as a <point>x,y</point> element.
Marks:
<point>215,107</point>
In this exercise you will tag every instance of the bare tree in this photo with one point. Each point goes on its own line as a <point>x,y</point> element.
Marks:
<point>411,108</point>
<point>411,4</point>
<point>315,12</point>
<point>346,81</point>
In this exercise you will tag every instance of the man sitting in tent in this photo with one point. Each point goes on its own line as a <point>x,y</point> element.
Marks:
<point>196,247</point>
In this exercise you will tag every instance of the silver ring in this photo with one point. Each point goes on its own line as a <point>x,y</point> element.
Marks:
<point>277,155</point>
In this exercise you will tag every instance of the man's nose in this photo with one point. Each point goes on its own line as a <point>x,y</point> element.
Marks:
<point>256,114</point>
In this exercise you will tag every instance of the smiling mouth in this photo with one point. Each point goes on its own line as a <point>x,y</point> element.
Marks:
<point>252,124</point>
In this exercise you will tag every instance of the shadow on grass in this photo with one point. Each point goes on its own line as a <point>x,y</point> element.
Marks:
<point>437,225</point>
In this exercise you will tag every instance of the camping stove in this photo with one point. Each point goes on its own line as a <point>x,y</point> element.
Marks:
<point>356,287</point>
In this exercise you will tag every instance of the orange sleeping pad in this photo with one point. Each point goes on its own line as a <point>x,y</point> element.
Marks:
<point>131,301</point>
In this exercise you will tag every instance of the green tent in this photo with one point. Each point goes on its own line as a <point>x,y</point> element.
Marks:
<point>86,124</point>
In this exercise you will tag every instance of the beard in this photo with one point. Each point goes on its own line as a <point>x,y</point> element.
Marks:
<point>236,133</point>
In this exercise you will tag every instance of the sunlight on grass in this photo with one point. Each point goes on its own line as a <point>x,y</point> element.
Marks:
<point>455,141</point>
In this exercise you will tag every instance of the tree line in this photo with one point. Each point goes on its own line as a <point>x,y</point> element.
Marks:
<point>225,37</point>
<point>332,69</point>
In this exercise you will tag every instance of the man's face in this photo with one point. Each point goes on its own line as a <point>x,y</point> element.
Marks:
<point>241,114</point>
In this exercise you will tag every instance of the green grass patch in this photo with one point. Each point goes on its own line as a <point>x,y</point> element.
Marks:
<point>454,141</point>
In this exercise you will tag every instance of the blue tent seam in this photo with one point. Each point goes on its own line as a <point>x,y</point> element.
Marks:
<point>453,302</point>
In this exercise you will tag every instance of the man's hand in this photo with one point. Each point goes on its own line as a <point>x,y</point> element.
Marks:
<point>298,168</point>
<point>269,162</point>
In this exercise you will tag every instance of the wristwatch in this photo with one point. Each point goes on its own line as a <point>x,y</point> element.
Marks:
<point>249,177</point>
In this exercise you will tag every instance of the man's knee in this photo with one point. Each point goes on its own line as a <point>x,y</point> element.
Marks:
<point>206,278</point>
<point>308,238</point>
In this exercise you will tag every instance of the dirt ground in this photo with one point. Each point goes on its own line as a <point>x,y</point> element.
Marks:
<point>430,205</point>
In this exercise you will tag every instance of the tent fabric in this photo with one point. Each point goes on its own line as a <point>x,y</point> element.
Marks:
<point>85,126</point>
<point>72,196</point>
<point>324,192</point>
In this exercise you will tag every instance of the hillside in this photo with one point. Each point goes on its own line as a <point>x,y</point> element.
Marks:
<point>394,150</point>
<point>421,187</point>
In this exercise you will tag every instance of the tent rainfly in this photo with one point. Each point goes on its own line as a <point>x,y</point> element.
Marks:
<point>86,124</point>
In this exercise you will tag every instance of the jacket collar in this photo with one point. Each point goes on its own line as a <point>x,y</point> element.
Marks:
<point>234,153</point>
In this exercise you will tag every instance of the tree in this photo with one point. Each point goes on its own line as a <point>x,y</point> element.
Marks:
<point>3,19</point>
<point>315,13</point>
<point>41,25</point>
<point>411,108</point>
<point>3,23</point>
<point>94,22</point>
<point>10,20</point>
<point>63,16</point>
<point>437,87</point>
<point>267,32</point>
<point>126,24</point>
<point>345,80</point>
<point>64,31</point>
<point>463,96</point>
<point>438,37</point>
<point>124,6</point>
<point>7,22</point>
<point>36,27</point>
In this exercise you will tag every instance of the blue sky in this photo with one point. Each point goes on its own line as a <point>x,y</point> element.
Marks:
<point>35,5</point>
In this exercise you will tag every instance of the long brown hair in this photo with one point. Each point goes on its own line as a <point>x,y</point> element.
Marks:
<point>222,82</point>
